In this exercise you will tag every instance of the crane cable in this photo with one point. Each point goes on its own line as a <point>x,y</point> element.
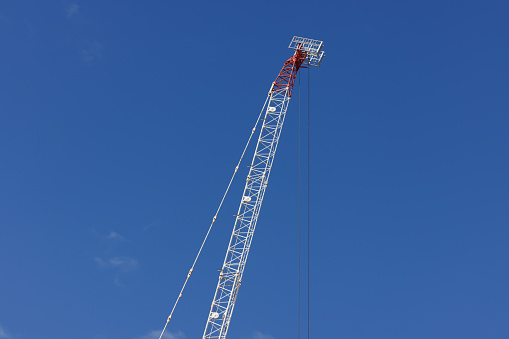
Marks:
<point>299,208</point>
<point>215,217</point>
<point>299,213</point>
<point>309,155</point>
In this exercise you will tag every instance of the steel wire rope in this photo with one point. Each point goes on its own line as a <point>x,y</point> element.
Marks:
<point>298,260</point>
<point>299,212</point>
<point>309,154</point>
<point>214,218</point>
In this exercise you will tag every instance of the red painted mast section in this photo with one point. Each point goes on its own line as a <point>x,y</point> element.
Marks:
<point>286,77</point>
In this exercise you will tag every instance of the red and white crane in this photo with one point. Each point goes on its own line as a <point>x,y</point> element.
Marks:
<point>308,52</point>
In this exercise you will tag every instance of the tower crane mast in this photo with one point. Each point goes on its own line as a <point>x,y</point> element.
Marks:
<point>308,52</point>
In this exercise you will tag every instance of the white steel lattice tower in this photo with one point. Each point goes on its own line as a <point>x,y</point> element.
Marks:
<point>308,52</point>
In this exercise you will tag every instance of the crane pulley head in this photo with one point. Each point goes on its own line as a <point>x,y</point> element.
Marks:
<point>308,52</point>
<point>313,49</point>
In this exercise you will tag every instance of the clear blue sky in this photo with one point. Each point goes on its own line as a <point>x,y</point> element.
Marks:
<point>121,122</point>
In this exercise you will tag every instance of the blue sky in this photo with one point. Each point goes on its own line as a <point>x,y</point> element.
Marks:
<point>122,122</point>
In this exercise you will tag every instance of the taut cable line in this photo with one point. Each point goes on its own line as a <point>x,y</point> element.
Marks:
<point>214,218</point>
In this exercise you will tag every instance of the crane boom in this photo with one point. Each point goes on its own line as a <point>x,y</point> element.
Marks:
<point>307,52</point>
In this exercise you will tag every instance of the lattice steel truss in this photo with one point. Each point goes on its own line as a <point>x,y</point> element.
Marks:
<point>313,48</point>
<point>230,277</point>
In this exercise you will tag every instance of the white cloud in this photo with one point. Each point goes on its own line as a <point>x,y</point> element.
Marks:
<point>72,10</point>
<point>167,335</point>
<point>115,236</point>
<point>146,227</point>
<point>259,335</point>
<point>101,262</point>
<point>91,52</point>
<point>123,263</point>
<point>3,333</point>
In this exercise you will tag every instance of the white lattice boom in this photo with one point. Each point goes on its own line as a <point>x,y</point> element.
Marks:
<point>307,52</point>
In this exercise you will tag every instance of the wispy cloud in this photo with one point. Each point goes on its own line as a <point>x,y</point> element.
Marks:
<point>72,10</point>
<point>260,335</point>
<point>146,227</point>
<point>115,236</point>
<point>4,334</point>
<point>91,52</point>
<point>125,264</point>
<point>167,335</point>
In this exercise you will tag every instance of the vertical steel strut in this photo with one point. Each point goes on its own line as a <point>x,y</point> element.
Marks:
<point>307,52</point>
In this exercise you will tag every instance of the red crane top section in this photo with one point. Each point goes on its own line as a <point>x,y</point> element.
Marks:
<point>286,77</point>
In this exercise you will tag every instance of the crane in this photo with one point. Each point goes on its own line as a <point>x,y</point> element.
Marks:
<point>308,52</point>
